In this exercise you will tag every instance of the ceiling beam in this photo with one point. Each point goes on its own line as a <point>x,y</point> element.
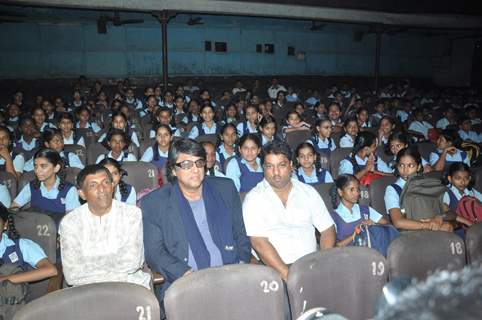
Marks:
<point>291,11</point>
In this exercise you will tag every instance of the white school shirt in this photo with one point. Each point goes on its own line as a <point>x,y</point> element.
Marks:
<point>290,229</point>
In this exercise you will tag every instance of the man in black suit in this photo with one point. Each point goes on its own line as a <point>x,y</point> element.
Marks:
<point>195,221</point>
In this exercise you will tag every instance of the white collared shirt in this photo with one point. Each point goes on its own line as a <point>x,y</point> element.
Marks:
<point>107,248</point>
<point>290,229</point>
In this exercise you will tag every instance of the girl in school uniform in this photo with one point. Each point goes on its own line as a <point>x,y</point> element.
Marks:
<point>48,192</point>
<point>163,116</point>
<point>122,191</point>
<point>208,124</point>
<point>10,161</point>
<point>362,118</point>
<point>53,140</point>
<point>117,143</point>
<point>363,160</point>
<point>158,152</point>
<point>459,180</point>
<point>28,141</point>
<point>251,123</point>
<point>408,164</point>
<point>66,126</point>
<point>348,213</point>
<point>398,141</point>
<point>387,125</point>
<point>39,116</point>
<point>294,123</point>
<point>321,138</point>
<point>119,121</point>
<point>230,114</point>
<point>245,169</point>
<point>308,166</point>
<point>227,147</point>
<point>83,115</point>
<point>351,130</point>
<point>25,253</point>
<point>446,152</point>
<point>267,129</point>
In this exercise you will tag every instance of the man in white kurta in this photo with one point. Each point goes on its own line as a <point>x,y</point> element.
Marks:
<point>102,240</point>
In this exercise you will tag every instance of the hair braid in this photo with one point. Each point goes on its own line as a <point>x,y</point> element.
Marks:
<point>12,232</point>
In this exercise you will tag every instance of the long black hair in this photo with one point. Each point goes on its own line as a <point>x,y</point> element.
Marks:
<point>7,219</point>
<point>55,159</point>
<point>412,152</point>
<point>122,185</point>
<point>308,145</point>
<point>341,182</point>
<point>455,167</point>
<point>362,140</point>
<point>155,146</point>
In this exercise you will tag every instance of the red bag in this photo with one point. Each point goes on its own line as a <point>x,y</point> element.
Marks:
<point>470,208</point>
<point>368,178</point>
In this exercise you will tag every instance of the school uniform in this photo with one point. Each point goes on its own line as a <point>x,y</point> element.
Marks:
<point>316,177</point>
<point>326,145</point>
<point>129,198</point>
<point>69,159</point>
<point>265,140</point>
<point>222,155</point>
<point>402,115</point>
<point>124,156</point>
<point>18,162</point>
<point>46,125</point>
<point>346,141</point>
<point>346,221</point>
<point>243,176</point>
<point>52,200</point>
<point>471,135</point>
<point>22,252</point>
<point>442,123</point>
<point>244,128</point>
<point>452,196</point>
<point>74,140</point>
<point>133,137</point>
<point>188,118</point>
<point>90,125</point>
<point>458,156</point>
<point>5,198</point>
<point>27,146</point>
<point>134,103</point>
<point>392,163</point>
<point>392,194</point>
<point>346,165</point>
<point>155,156</point>
<point>421,127</point>
<point>202,129</point>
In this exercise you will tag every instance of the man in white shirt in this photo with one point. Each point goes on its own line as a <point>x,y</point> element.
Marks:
<point>275,88</point>
<point>102,240</point>
<point>281,214</point>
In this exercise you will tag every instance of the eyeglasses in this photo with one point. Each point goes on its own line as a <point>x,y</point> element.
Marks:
<point>188,164</point>
<point>408,165</point>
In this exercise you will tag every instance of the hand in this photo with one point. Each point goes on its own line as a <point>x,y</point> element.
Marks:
<point>4,153</point>
<point>188,272</point>
<point>446,227</point>
<point>370,166</point>
<point>367,222</point>
<point>427,168</point>
<point>450,150</point>
<point>3,278</point>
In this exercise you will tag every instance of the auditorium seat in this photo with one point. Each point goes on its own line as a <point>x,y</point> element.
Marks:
<point>380,153</point>
<point>377,193</point>
<point>335,158</point>
<point>234,292</point>
<point>88,135</point>
<point>344,280</point>
<point>213,138</point>
<point>25,179</point>
<point>41,229</point>
<point>324,161</point>
<point>79,150</point>
<point>420,253</point>
<point>106,301</point>
<point>145,144</point>
<point>473,243</point>
<point>425,148</point>
<point>10,181</point>
<point>364,195</point>
<point>477,173</point>
<point>141,175</point>
<point>295,138</point>
<point>94,150</point>
<point>324,190</point>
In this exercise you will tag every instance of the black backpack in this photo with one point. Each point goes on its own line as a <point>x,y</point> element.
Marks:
<point>421,197</point>
<point>12,295</point>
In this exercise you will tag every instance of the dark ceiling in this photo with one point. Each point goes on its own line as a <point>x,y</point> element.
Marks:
<point>468,7</point>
